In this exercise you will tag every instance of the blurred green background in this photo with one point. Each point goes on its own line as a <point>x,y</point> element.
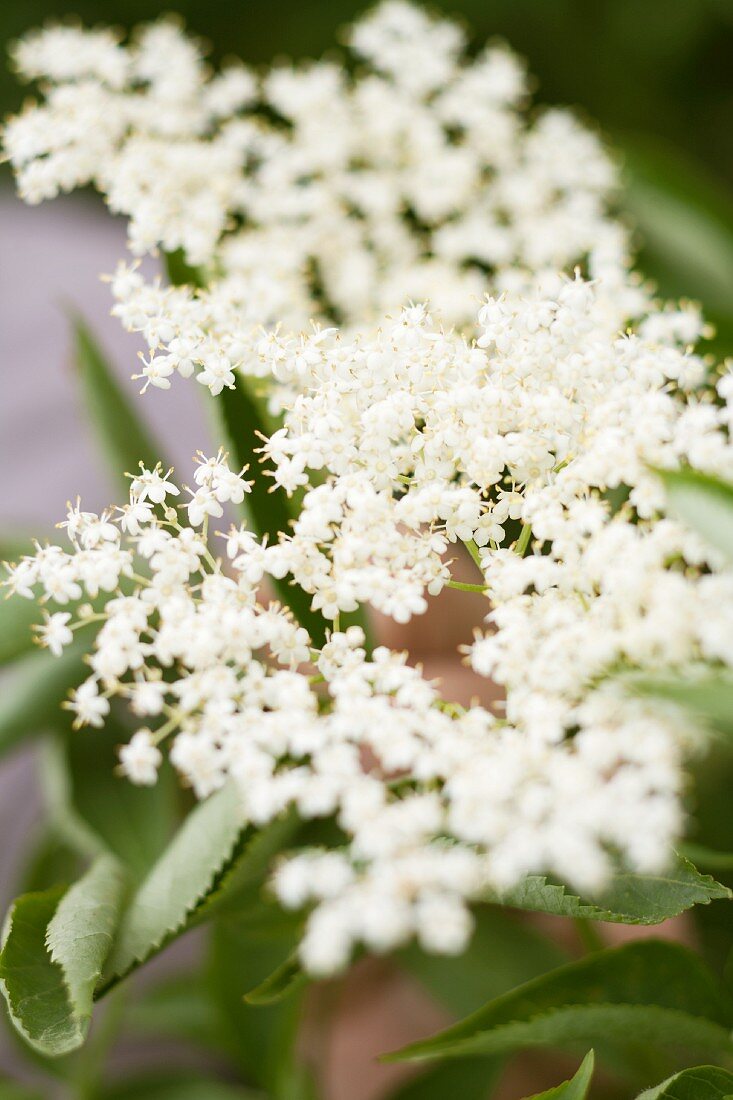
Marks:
<point>657,76</point>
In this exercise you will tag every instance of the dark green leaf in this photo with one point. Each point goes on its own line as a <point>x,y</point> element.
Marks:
<point>125,439</point>
<point>503,953</point>
<point>647,994</point>
<point>575,1089</point>
<point>244,420</point>
<point>469,1079</point>
<point>708,858</point>
<point>283,981</point>
<point>630,898</point>
<point>54,948</point>
<point>31,698</point>
<point>697,1083</point>
<point>180,1008</point>
<point>91,804</point>
<point>176,1086</point>
<point>260,1039</point>
<point>180,272</point>
<point>704,502</point>
<point>685,221</point>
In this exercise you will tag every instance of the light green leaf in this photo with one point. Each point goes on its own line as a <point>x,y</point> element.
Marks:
<point>179,882</point>
<point>697,1083</point>
<point>54,947</point>
<point>628,1000</point>
<point>283,981</point>
<point>708,697</point>
<point>17,619</point>
<point>703,502</point>
<point>575,1089</point>
<point>13,1090</point>
<point>214,864</point>
<point>125,439</point>
<point>31,698</point>
<point>629,899</point>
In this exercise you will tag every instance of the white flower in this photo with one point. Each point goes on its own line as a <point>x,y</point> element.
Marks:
<point>55,632</point>
<point>140,759</point>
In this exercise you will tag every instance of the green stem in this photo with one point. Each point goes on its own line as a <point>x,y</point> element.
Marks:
<point>588,935</point>
<point>523,541</point>
<point>474,552</point>
<point>461,586</point>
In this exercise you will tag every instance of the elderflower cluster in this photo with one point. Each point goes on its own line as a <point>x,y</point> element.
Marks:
<point>412,170</point>
<point>438,803</point>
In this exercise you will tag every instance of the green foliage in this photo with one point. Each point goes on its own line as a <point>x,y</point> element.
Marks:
<point>577,1088</point>
<point>54,948</point>
<point>283,981</point>
<point>709,697</point>
<point>31,698</point>
<point>698,1083</point>
<point>17,618</point>
<point>685,221</point>
<point>630,898</point>
<point>244,421</point>
<point>705,503</point>
<point>122,436</point>
<point>178,883</point>
<point>95,811</point>
<point>622,1000</point>
<point>178,1086</point>
<point>469,1079</point>
<point>244,952</point>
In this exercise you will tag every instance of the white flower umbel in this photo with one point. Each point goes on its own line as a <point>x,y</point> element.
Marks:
<point>413,170</point>
<point>437,802</point>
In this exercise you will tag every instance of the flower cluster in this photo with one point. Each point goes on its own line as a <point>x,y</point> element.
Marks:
<point>412,170</point>
<point>438,803</point>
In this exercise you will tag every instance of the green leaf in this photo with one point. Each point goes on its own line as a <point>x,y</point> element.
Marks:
<point>244,951</point>
<point>685,220</point>
<point>697,1083</point>
<point>180,272</point>
<point>629,899</point>
<point>244,420</point>
<point>177,1086</point>
<point>575,1089</point>
<point>469,1079</point>
<point>179,882</point>
<point>283,981</point>
<point>32,695</point>
<point>97,810</point>
<point>705,503</point>
<point>125,439</point>
<point>214,864</point>
<point>180,1008</point>
<point>503,953</point>
<point>54,947</point>
<point>708,697</point>
<point>13,1090</point>
<point>649,994</point>
<point>17,619</point>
